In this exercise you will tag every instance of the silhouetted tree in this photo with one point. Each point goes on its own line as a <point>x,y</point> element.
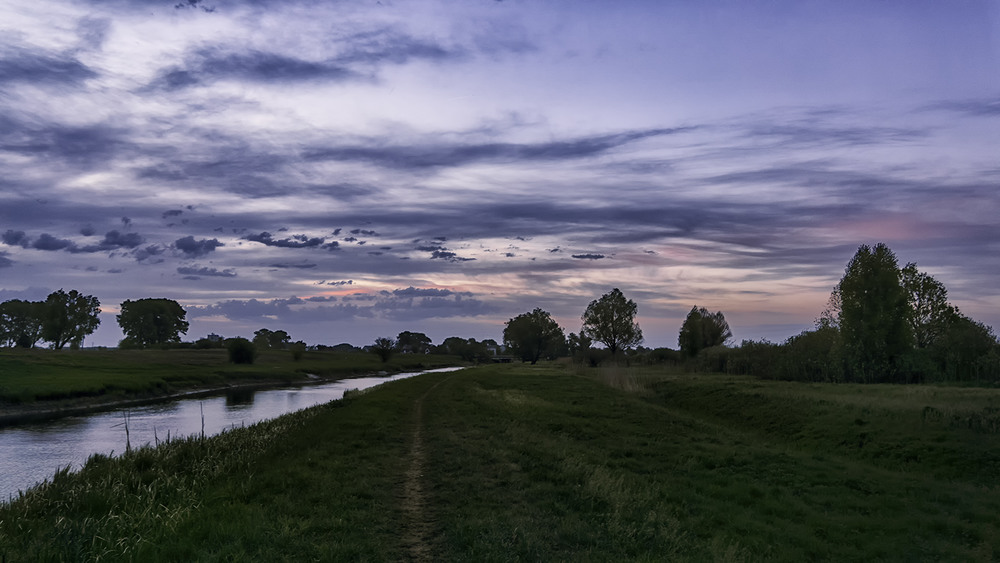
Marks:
<point>875,314</point>
<point>383,348</point>
<point>611,321</point>
<point>702,329</point>
<point>533,335</point>
<point>21,322</point>
<point>69,317</point>
<point>271,339</point>
<point>241,350</point>
<point>151,322</point>
<point>930,312</point>
<point>413,342</point>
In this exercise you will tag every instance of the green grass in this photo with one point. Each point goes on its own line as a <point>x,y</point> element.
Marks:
<point>28,376</point>
<point>542,463</point>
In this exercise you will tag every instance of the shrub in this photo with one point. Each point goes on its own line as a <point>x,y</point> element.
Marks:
<point>241,351</point>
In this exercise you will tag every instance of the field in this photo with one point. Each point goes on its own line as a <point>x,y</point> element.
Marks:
<point>551,463</point>
<point>31,376</point>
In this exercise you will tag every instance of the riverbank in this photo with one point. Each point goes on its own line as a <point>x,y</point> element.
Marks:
<point>45,384</point>
<point>549,463</point>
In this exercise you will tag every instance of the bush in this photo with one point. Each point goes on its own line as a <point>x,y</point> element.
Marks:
<point>241,351</point>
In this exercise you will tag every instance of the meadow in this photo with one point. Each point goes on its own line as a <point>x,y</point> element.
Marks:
<point>551,463</point>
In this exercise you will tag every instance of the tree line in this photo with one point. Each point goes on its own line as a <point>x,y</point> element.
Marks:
<point>882,324</point>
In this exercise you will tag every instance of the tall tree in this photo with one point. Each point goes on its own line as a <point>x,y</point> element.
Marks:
<point>533,335</point>
<point>413,342</point>
<point>931,314</point>
<point>383,348</point>
<point>69,317</point>
<point>874,316</point>
<point>702,329</point>
<point>610,320</point>
<point>266,339</point>
<point>151,322</point>
<point>21,322</point>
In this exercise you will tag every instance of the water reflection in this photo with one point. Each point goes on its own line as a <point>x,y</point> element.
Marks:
<point>34,452</point>
<point>240,398</point>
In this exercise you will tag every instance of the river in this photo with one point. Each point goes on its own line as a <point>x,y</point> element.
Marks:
<point>32,453</point>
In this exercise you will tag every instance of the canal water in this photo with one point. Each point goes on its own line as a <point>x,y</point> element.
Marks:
<point>32,453</point>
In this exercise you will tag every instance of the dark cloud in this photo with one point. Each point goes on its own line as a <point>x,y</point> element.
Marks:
<point>149,252</point>
<point>295,241</point>
<point>4,261</point>
<point>16,238</point>
<point>293,265</point>
<point>386,305</point>
<point>321,298</point>
<point>430,155</point>
<point>172,213</point>
<point>588,256</point>
<point>206,271</point>
<point>364,232</point>
<point>418,292</point>
<point>196,248</point>
<point>210,65</point>
<point>78,145</point>
<point>24,66</point>
<point>113,240</point>
<point>46,241</point>
<point>392,46</point>
<point>338,283</point>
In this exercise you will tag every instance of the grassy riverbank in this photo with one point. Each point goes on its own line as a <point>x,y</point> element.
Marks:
<point>508,463</point>
<point>30,377</point>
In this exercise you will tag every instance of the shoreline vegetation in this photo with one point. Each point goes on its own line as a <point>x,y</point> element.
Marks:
<point>42,384</point>
<point>551,462</point>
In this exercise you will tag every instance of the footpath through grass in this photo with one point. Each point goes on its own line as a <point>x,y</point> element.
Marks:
<point>519,463</point>
<point>34,376</point>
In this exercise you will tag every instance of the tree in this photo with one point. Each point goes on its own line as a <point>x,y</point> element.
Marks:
<point>413,342</point>
<point>467,349</point>
<point>383,348</point>
<point>271,339</point>
<point>931,314</point>
<point>21,322</point>
<point>611,321</point>
<point>241,350</point>
<point>702,329</point>
<point>533,335</point>
<point>69,317</point>
<point>151,322</point>
<point>874,315</point>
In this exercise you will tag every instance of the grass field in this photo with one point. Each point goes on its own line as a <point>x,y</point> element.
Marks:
<point>28,376</point>
<point>551,463</point>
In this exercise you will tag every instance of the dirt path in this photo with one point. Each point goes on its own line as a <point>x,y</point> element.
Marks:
<point>419,526</point>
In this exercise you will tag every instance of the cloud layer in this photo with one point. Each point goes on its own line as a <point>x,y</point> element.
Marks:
<point>450,165</point>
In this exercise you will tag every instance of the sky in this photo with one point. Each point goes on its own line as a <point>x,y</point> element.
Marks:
<point>348,170</point>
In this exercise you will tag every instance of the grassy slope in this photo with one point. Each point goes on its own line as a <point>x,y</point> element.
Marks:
<point>538,463</point>
<point>28,376</point>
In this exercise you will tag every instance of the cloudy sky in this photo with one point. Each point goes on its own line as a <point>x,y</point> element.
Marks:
<point>346,170</point>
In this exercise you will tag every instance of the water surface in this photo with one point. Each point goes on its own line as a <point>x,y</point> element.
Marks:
<point>32,453</point>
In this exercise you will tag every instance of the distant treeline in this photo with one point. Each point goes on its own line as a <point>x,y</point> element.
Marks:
<point>883,324</point>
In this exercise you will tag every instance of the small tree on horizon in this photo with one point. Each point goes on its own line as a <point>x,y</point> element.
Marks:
<point>702,329</point>
<point>610,320</point>
<point>69,317</point>
<point>383,348</point>
<point>533,335</point>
